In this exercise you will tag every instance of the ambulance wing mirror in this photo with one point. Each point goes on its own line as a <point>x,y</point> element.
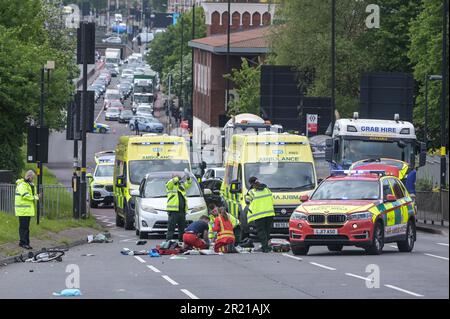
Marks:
<point>422,154</point>
<point>235,187</point>
<point>135,192</point>
<point>329,150</point>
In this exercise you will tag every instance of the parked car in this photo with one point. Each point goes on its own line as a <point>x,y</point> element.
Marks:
<point>146,124</point>
<point>112,40</point>
<point>125,116</point>
<point>112,114</point>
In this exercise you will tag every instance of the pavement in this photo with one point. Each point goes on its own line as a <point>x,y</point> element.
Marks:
<point>105,273</point>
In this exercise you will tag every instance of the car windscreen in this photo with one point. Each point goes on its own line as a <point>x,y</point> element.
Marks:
<point>104,171</point>
<point>220,173</point>
<point>156,188</point>
<point>113,111</point>
<point>138,169</point>
<point>347,190</point>
<point>143,98</point>
<point>112,96</point>
<point>355,150</point>
<point>282,176</point>
<point>126,113</point>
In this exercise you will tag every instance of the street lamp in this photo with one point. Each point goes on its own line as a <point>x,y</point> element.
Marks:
<point>428,78</point>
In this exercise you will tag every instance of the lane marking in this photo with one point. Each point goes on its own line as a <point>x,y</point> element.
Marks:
<point>293,257</point>
<point>140,259</point>
<point>403,290</point>
<point>356,276</point>
<point>435,256</point>
<point>322,266</point>
<point>153,268</point>
<point>173,282</point>
<point>190,294</point>
<point>393,246</point>
<point>442,244</point>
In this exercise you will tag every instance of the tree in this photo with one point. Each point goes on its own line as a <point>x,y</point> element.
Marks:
<point>425,54</point>
<point>247,84</point>
<point>304,41</point>
<point>27,41</point>
<point>176,79</point>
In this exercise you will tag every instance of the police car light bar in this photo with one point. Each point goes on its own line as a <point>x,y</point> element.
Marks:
<point>357,172</point>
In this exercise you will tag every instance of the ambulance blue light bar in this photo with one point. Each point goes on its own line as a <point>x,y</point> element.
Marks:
<point>357,172</point>
<point>156,143</point>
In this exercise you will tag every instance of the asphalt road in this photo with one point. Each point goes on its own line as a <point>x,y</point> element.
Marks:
<point>424,273</point>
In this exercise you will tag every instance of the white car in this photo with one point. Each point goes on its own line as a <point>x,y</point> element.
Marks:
<point>117,40</point>
<point>151,200</point>
<point>144,110</point>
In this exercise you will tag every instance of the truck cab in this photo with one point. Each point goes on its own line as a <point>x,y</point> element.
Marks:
<point>359,139</point>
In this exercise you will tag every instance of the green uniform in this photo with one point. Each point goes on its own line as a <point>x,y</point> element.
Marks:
<point>261,212</point>
<point>177,206</point>
<point>25,200</point>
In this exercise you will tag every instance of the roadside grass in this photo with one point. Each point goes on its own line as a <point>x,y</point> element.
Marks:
<point>9,227</point>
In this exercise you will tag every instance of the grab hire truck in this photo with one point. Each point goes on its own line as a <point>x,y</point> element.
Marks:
<point>360,139</point>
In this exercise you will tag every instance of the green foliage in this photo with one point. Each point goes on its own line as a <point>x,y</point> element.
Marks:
<point>424,185</point>
<point>247,84</point>
<point>425,54</point>
<point>176,78</point>
<point>166,47</point>
<point>25,46</point>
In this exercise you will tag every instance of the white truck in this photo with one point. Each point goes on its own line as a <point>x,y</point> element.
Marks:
<point>112,60</point>
<point>143,91</point>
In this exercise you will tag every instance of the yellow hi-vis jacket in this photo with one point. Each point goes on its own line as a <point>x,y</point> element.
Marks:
<point>403,173</point>
<point>172,188</point>
<point>25,204</point>
<point>261,204</point>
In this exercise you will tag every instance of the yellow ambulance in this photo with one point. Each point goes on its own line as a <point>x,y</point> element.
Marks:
<point>282,161</point>
<point>136,156</point>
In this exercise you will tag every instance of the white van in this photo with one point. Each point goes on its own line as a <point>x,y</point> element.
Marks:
<point>151,200</point>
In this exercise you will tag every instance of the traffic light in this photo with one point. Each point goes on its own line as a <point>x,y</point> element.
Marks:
<point>37,144</point>
<point>90,43</point>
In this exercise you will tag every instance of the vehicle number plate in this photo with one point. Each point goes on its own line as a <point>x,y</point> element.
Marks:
<point>280,225</point>
<point>325,231</point>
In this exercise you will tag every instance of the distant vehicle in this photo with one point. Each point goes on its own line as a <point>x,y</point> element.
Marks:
<point>116,104</point>
<point>112,69</point>
<point>100,128</point>
<point>146,124</point>
<point>214,172</point>
<point>109,96</point>
<point>144,111</point>
<point>125,89</point>
<point>113,60</point>
<point>112,114</point>
<point>146,37</point>
<point>116,40</point>
<point>118,17</point>
<point>125,116</point>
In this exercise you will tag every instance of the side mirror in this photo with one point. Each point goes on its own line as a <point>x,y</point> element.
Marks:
<point>423,154</point>
<point>319,180</point>
<point>304,198</point>
<point>235,187</point>
<point>120,181</point>
<point>329,150</point>
<point>207,191</point>
<point>391,198</point>
<point>135,192</point>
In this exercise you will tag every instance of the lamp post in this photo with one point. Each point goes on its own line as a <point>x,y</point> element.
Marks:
<point>180,106</point>
<point>428,78</point>
<point>444,96</point>
<point>228,54</point>
<point>333,61</point>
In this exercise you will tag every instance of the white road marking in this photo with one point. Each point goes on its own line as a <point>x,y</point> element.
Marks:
<point>190,294</point>
<point>356,276</point>
<point>403,290</point>
<point>293,257</point>
<point>153,268</point>
<point>322,266</point>
<point>442,244</point>
<point>140,259</point>
<point>435,256</point>
<point>393,246</point>
<point>173,282</point>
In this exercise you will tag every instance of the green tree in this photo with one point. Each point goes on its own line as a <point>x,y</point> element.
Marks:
<point>425,54</point>
<point>247,84</point>
<point>175,73</point>
<point>26,42</point>
<point>304,41</point>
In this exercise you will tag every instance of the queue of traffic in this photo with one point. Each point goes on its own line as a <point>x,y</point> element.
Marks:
<point>365,206</point>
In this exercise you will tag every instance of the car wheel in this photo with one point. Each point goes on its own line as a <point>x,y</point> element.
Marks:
<point>93,204</point>
<point>102,130</point>
<point>377,244</point>
<point>300,250</point>
<point>335,247</point>
<point>407,245</point>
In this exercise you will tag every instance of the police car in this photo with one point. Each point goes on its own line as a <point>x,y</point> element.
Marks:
<point>101,182</point>
<point>365,209</point>
<point>100,128</point>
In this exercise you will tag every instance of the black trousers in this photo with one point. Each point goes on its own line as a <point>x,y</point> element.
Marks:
<point>24,230</point>
<point>263,226</point>
<point>244,228</point>
<point>176,219</point>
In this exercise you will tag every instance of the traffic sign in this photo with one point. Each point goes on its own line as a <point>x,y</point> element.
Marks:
<point>311,122</point>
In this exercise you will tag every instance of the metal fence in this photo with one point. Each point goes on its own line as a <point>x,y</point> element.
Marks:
<point>432,207</point>
<point>56,203</point>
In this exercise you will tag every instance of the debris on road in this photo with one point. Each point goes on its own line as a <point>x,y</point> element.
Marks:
<point>154,253</point>
<point>87,255</point>
<point>100,238</point>
<point>129,252</point>
<point>68,293</point>
<point>279,245</point>
<point>141,242</point>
